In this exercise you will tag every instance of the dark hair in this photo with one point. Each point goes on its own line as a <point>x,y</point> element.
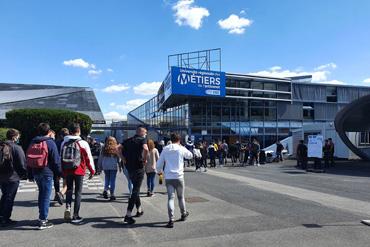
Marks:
<point>64,132</point>
<point>330,139</point>
<point>11,133</point>
<point>43,129</point>
<point>74,128</point>
<point>140,127</point>
<point>175,137</point>
<point>301,141</point>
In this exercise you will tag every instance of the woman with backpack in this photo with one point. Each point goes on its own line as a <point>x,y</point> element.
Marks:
<point>150,167</point>
<point>109,161</point>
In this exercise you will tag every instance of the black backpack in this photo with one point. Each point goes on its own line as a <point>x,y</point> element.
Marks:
<point>6,157</point>
<point>71,155</point>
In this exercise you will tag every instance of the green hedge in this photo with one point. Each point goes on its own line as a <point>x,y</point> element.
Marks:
<point>27,120</point>
<point>3,134</point>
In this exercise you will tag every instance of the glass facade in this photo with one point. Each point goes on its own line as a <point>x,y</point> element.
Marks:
<point>266,108</point>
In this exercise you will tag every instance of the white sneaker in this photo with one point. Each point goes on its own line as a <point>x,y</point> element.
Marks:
<point>67,215</point>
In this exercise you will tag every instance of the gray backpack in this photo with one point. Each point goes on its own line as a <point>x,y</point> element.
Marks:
<point>71,155</point>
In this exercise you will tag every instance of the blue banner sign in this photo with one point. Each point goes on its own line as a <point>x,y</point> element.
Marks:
<point>196,82</point>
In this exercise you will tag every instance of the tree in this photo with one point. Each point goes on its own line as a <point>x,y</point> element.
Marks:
<point>27,120</point>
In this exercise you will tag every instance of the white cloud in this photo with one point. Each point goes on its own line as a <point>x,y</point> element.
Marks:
<point>334,82</point>
<point>116,88</point>
<point>113,115</point>
<point>327,66</point>
<point>186,13</point>
<point>112,104</point>
<point>242,12</point>
<point>109,70</point>
<point>78,63</point>
<point>319,74</point>
<point>235,24</point>
<point>131,104</point>
<point>367,80</point>
<point>275,68</point>
<point>147,88</point>
<point>93,72</point>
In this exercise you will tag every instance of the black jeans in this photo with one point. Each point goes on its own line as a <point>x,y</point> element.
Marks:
<point>9,191</point>
<point>137,178</point>
<point>198,163</point>
<point>77,182</point>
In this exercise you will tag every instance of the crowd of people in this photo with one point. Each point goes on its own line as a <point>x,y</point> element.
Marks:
<point>217,153</point>
<point>50,159</point>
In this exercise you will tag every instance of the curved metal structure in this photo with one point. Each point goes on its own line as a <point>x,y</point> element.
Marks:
<point>354,117</point>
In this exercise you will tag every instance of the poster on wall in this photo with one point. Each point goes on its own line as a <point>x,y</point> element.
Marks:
<point>315,144</point>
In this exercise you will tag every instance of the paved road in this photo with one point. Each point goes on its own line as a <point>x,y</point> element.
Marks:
<point>271,205</point>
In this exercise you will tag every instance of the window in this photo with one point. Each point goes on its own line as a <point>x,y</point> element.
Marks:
<point>270,86</point>
<point>256,85</point>
<point>331,94</point>
<point>308,111</point>
<point>364,138</point>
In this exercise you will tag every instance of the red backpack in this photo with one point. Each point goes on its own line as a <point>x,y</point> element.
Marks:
<point>37,155</point>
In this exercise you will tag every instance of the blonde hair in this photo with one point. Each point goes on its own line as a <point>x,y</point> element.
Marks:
<point>151,145</point>
<point>111,146</point>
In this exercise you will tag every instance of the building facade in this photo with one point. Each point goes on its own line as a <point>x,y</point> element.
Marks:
<point>79,99</point>
<point>266,108</point>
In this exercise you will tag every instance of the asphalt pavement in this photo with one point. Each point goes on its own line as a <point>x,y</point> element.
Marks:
<point>270,205</point>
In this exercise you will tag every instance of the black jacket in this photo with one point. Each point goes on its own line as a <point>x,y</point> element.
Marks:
<point>19,170</point>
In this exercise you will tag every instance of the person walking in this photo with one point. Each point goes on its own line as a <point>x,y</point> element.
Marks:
<point>212,155</point>
<point>301,155</point>
<point>59,193</point>
<point>12,170</point>
<point>124,169</point>
<point>151,167</point>
<point>279,151</point>
<point>331,152</point>
<point>224,152</point>
<point>189,146</point>
<point>197,157</point>
<point>203,152</point>
<point>43,160</point>
<point>76,158</point>
<point>254,152</point>
<point>96,148</point>
<point>326,151</point>
<point>173,156</point>
<point>108,162</point>
<point>135,152</point>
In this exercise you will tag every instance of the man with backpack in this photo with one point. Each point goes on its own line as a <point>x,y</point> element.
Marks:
<point>76,157</point>
<point>135,152</point>
<point>44,161</point>
<point>12,169</point>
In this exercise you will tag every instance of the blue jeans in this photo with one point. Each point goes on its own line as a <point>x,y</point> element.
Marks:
<point>44,183</point>
<point>150,181</point>
<point>110,180</point>
<point>130,185</point>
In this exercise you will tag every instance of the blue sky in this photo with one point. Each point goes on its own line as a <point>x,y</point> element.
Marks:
<point>119,48</point>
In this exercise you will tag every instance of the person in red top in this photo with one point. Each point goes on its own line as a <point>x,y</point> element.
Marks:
<point>74,149</point>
